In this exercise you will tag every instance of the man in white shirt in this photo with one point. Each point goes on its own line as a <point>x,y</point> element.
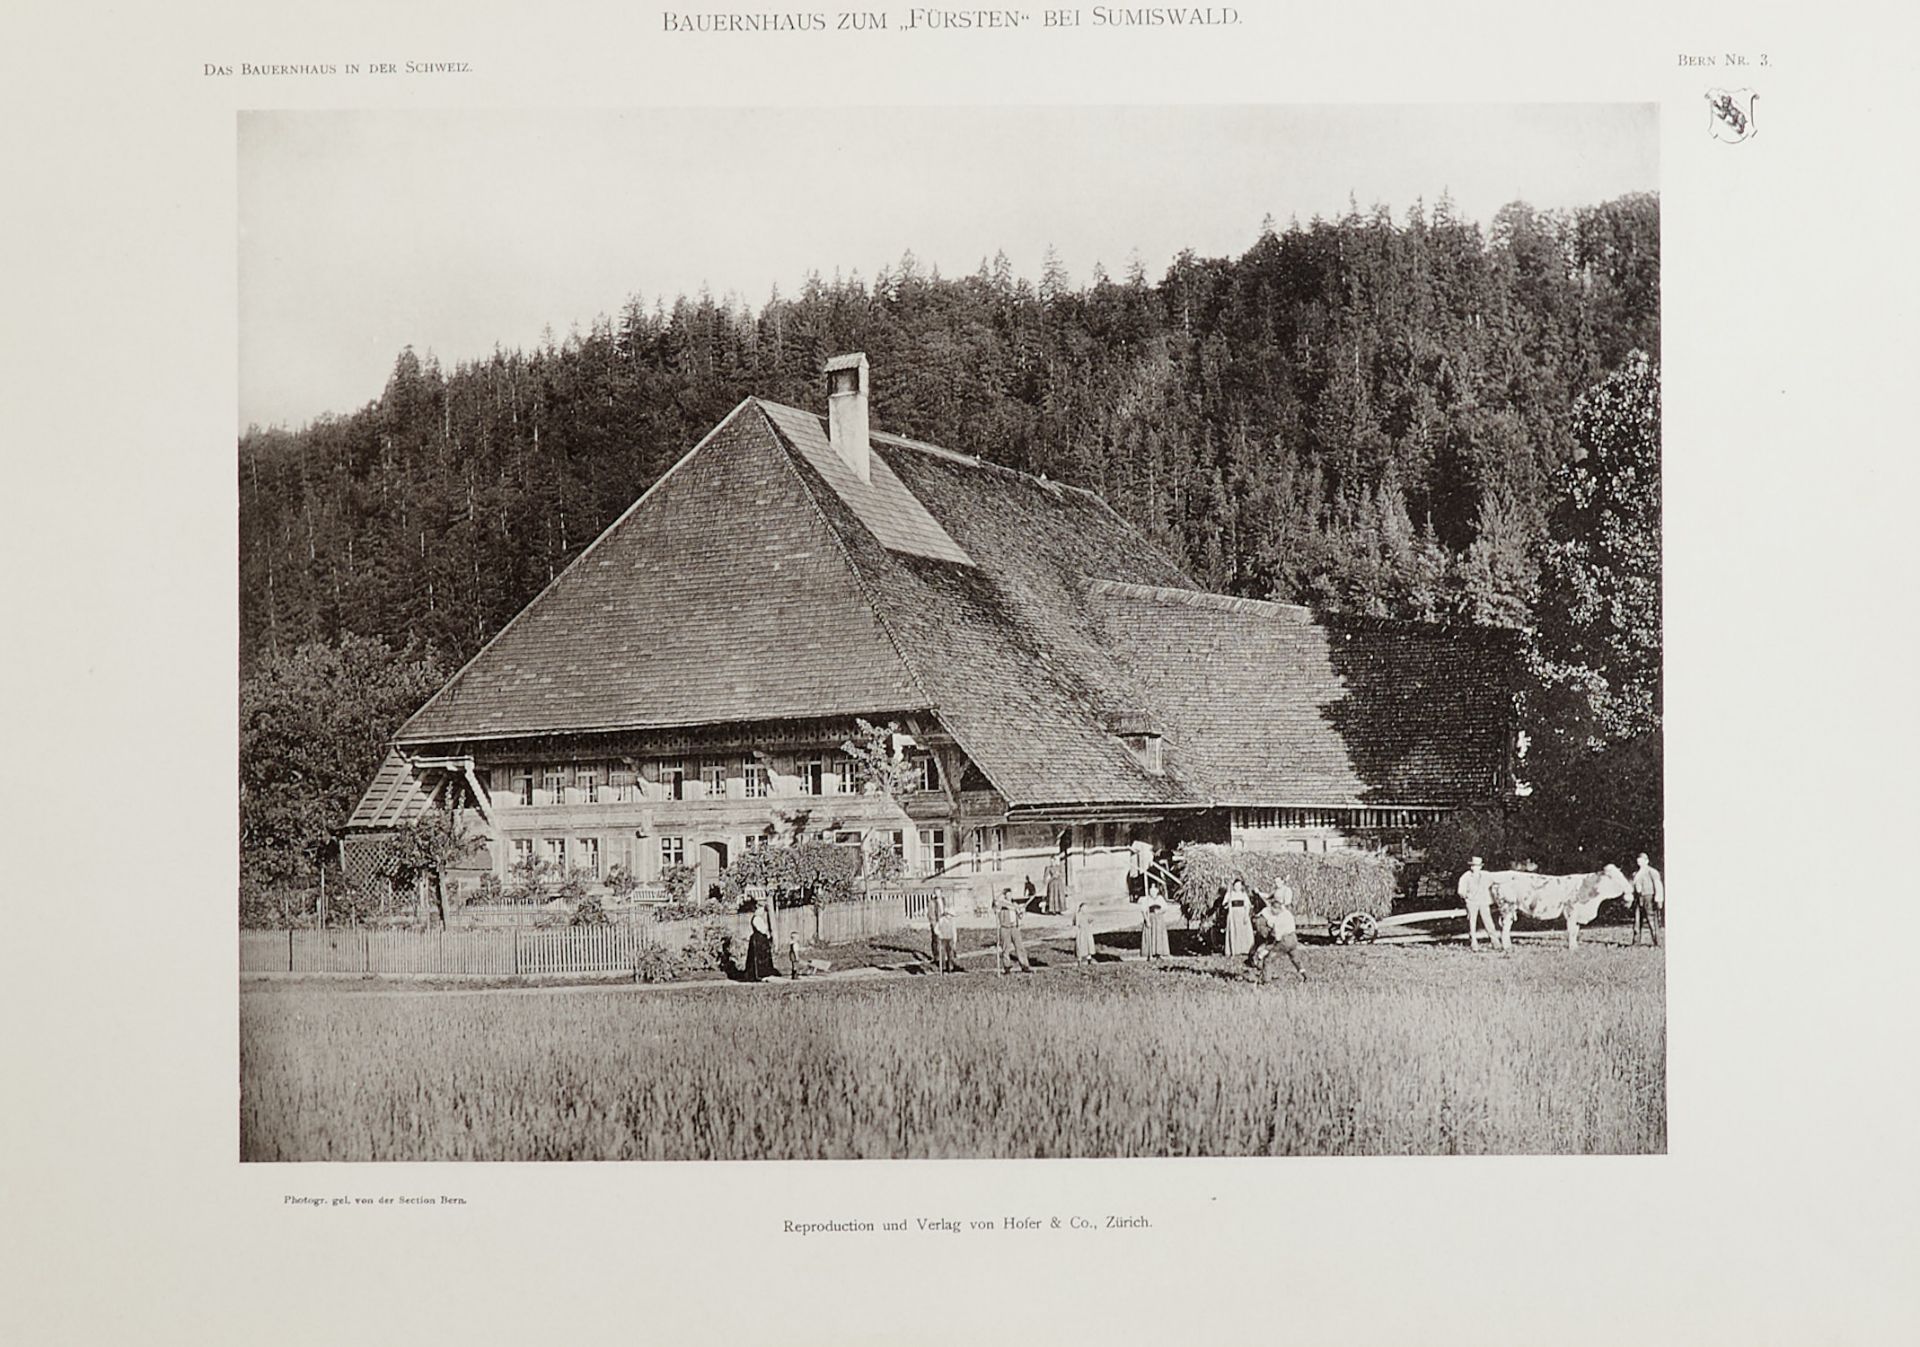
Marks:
<point>1275,930</point>
<point>1649,898</point>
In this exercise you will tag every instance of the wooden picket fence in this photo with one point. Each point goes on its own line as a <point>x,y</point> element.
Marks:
<point>517,950</point>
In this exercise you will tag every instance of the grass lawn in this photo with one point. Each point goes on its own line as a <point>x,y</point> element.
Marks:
<point>1407,1050</point>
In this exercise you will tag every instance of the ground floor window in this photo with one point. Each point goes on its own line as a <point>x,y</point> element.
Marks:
<point>587,853</point>
<point>933,850</point>
<point>522,850</point>
<point>556,852</point>
<point>673,851</point>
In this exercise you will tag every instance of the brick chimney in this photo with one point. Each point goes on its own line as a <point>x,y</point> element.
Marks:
<point>847,413</point>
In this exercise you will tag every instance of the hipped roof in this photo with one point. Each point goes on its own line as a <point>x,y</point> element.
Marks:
<point>761,579</point>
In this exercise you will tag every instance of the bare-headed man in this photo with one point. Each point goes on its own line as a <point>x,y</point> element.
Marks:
<point>1649,900</point>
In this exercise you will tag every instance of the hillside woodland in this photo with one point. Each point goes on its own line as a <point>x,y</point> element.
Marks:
<point>1416,417</point>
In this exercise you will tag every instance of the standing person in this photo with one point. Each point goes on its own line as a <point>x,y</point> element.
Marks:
<point>760,942</point>
<point>1238,913</point>
<point>1649,898</point>
<point>1153,926</point>
<point>1083,933</point>
<point>943,935</point>
<point>1136,881</point>
<point>1056,889</point>
<point>1472,889</point>
<point>1007,920</point>
<point>933,930</point>
<point>1277,932</point>
<point>793,955</point>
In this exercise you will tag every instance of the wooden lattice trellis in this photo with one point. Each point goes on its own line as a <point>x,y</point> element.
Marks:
<point>366,862</point>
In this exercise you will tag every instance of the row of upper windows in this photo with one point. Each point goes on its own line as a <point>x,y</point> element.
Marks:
<point>584,853</point>
<point>667,779</point>
<point>1349,819</point>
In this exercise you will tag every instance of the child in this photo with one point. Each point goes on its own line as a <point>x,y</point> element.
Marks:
<point>943,936</point>
<point>1083,934</point>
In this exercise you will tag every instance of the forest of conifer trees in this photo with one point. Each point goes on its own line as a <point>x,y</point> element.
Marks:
<point>1365,414</point>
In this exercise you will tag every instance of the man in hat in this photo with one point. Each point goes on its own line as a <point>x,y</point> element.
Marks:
<point>1007,918</point>
<point>1649,897</point>
<point>1472,889</point>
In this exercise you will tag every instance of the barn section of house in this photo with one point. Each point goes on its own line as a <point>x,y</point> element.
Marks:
<point>1063,690</point>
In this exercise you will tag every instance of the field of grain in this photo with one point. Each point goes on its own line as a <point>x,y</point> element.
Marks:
<point>1386,1052</point>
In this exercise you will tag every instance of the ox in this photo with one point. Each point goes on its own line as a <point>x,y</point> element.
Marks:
<point>1577,898</point>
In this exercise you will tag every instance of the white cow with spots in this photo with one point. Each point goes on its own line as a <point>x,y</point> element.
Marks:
<point>1574,898</point>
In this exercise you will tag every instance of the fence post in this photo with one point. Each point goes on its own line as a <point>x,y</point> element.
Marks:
<point>516,950</point>
<point>289,949</point>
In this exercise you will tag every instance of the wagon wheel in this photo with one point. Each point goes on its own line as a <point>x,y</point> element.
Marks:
<point>1356,928</point>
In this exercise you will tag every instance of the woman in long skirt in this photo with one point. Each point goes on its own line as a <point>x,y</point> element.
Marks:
<point>1153,927</point>
<point>760,943</point>
<point>1239,920</point>
<point>1083,934</point>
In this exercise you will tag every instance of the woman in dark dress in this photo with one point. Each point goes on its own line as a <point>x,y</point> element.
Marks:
<point>760,942</point>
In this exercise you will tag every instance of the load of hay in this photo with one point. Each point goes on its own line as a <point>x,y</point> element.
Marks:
<point>1326,885</point>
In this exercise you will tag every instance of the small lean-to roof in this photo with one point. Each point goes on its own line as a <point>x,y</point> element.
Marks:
<point>396,799</point>
<point>1263,703</point>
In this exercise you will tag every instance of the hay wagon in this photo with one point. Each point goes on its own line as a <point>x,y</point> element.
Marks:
<point>1363,928</point>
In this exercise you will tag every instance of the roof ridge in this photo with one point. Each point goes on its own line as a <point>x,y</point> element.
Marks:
<point>1201,598</point>
<point>954,455</point>
<point>1302,614</point>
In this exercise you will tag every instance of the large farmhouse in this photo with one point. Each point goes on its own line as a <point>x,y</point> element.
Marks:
<point>1063,690</point>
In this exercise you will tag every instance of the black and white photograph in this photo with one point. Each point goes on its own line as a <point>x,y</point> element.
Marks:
<point>867,634</point>
<point>886,676</point>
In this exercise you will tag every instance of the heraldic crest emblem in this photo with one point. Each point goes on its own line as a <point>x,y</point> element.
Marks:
<point>1731,114</point>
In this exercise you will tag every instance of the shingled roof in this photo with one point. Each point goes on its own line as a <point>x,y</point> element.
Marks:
<point>761,579</point>
<point>720,595</point>
<point>397,797</point>
<point>1263,703</point>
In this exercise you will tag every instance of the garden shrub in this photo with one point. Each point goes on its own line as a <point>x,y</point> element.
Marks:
<point>658,963</point>
<point>691,909</point>
<point>676,881</point>
<point>709,946</point>
<point>1325,884</point>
